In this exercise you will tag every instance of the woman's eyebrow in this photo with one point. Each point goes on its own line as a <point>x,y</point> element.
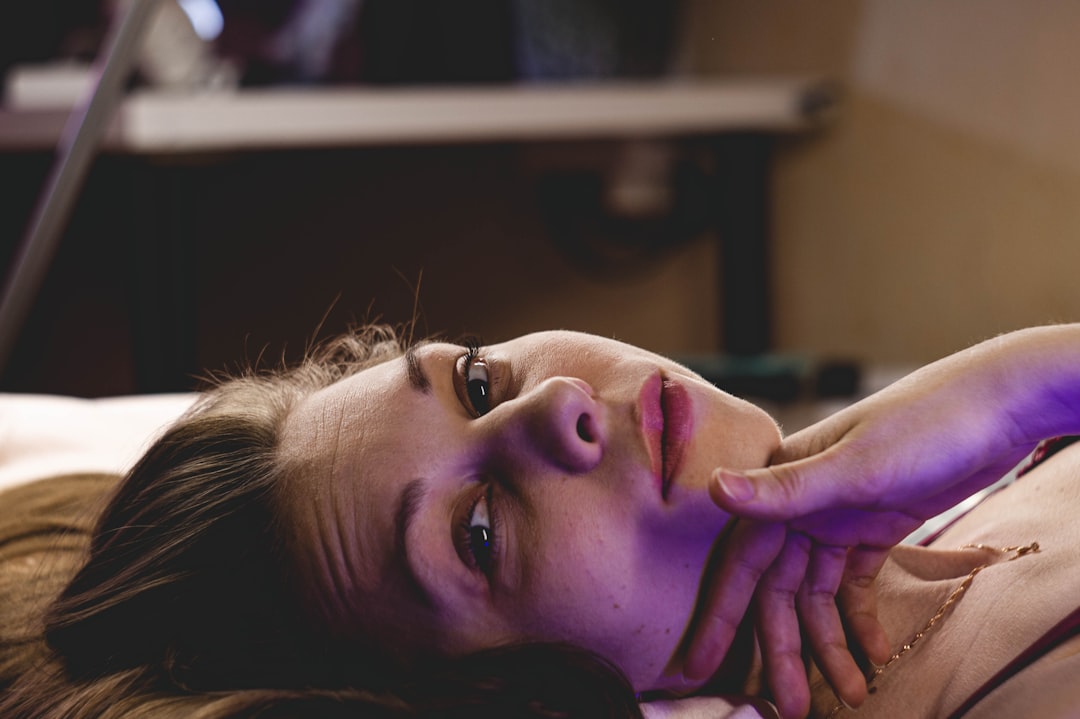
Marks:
<point>418,380</point>
<point>408,504</point>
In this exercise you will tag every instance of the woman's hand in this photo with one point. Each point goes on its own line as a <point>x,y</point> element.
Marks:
<point>793,585</point>
<point>847,489</point>
<point>919,446</point>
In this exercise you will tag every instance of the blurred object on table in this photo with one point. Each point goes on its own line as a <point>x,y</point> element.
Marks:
<point>436,42</point>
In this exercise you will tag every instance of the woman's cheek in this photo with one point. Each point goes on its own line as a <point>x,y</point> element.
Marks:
<point>740,435</point>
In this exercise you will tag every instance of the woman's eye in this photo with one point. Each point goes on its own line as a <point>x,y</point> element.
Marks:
<point>479,538</point>
<point>477,386</point>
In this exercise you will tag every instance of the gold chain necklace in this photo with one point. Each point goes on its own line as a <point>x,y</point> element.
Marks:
<point>939,615</point>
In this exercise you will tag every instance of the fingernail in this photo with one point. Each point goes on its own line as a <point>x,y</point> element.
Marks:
<point>737,487</point>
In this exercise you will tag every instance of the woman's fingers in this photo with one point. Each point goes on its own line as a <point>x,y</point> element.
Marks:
<point>820,618</point>
<point>795,585</point>
<point>749,552</point>
<point>784,491</point>
<point>857,597</point>
<point>778,628</point>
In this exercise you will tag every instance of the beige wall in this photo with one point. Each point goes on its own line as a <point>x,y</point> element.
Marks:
<point>943,205</point>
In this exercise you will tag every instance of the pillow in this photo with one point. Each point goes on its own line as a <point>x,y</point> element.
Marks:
<point>48,435</point>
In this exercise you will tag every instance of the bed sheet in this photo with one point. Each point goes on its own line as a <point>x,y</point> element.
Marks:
<point>47,435</point>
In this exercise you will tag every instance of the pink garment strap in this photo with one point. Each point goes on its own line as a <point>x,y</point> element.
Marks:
<point>1047,449</point>
<point>1062,631</point>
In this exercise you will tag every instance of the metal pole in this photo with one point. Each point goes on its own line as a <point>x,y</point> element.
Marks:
<point>79,141</point>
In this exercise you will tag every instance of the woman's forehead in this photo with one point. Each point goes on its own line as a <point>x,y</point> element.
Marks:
<point>321,426</point>
<point>337,488</point>
<point>326,415</point>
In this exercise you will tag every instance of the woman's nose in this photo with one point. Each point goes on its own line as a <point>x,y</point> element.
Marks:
<point>564,423</point>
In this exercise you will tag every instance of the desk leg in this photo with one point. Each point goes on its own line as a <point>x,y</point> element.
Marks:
<point>745,366</point>
<point>742,224</point>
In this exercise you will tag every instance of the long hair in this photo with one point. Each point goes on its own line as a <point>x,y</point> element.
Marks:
<point>179,602</point>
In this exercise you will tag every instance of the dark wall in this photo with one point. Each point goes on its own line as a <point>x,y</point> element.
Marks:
<point>171,269</point>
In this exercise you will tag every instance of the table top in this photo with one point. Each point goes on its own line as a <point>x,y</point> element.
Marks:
<point>154,121</point>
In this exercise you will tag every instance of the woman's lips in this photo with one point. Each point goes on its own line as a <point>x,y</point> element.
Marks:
<point>652,426</point>
<point>667,422</point>
<point>678,426</point>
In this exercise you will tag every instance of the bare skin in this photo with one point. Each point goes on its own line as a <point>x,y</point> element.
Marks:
<point>855,484</point>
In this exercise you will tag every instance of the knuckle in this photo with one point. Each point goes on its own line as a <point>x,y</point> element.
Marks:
<point>785,595</point>
<point>818,596</point>
<point>859,581</point>
<point>750,568</point>
<point>789,482</point>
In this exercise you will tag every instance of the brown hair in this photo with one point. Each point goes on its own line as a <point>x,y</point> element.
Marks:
<point>178,601</point>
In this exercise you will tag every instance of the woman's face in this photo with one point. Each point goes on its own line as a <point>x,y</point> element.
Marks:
<point>550,488</point>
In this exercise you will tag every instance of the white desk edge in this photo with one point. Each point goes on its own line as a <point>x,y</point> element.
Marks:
<point>156,121</point>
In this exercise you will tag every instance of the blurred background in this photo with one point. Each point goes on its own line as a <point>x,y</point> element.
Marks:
<point>937,205</point>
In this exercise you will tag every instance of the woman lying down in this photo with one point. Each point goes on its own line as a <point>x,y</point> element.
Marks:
<point>559,526</point>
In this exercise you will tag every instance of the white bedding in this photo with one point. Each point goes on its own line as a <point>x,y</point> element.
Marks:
<point>46,435</point>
